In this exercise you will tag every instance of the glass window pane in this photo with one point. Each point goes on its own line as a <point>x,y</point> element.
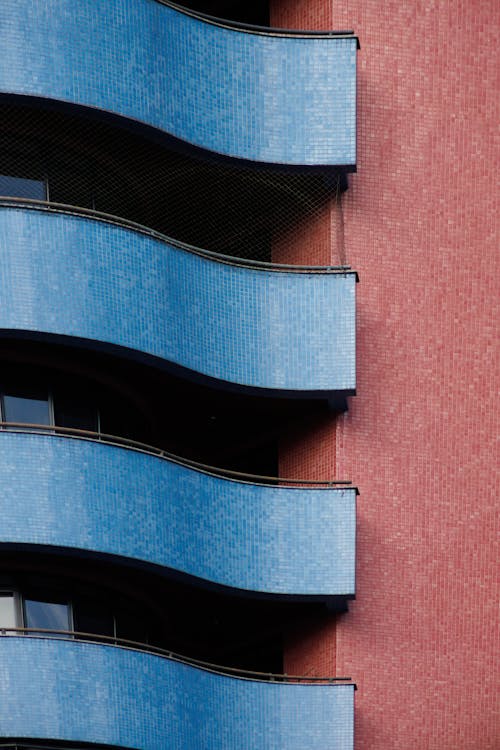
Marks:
<point>29,405</point>
<point>47,615</point>
<point>93,617</point>
<point>20,187</point>
<point>70,411</point>
<point>7,611</point>
<point>131,627</point>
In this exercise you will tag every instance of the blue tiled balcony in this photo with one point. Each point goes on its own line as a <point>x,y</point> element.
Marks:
<point>100,498</point>
<point>88,692</point>
<point>282,99</point>
<point>112,286</point>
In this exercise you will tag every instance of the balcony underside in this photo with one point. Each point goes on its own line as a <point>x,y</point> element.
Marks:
<point>87,692</point>
<point>108,285</point>
<point>98,498</point>
<point>262,97</point>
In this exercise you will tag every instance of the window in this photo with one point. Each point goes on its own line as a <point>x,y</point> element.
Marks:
<point>7,610</point>
<point>131,627</point>
<point>48,615</point>
<point>93,617</point>
<point>39,405</point>
<point>54,609</point>
<point>21,187</point>
<point>27,404</point>
<point>75,410</point>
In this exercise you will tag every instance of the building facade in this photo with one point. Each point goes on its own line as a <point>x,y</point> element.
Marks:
<point>161,337</point>
<point>189,397</point>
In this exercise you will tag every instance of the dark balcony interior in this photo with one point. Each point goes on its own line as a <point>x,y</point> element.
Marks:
<point>100,598</point>
<point>74,388</point>
<point>255,12</point>
<point>230,210</point>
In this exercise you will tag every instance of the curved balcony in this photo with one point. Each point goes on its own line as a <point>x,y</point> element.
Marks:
<point>107,285</point>
<point>95,497</point>
<point>270,97</point>
<point>88,692</point>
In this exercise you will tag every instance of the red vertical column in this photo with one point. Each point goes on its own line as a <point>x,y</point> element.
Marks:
<point>421,228</point>
<point>308,451</point>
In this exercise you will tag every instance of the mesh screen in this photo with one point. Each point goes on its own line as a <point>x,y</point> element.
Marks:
<point>232,210</point>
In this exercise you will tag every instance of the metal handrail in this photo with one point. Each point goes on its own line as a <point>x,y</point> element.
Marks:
<point>151,450</point>
<point>108,640</point>
<point>250,28</point>
<point>63,208</point>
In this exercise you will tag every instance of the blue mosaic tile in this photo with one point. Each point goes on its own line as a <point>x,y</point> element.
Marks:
<point>84,278</point>
<point>103,694</point>
<point>272,99</point>
<point>102,498</point>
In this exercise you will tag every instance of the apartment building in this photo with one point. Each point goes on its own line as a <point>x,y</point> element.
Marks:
<point>191,395</point>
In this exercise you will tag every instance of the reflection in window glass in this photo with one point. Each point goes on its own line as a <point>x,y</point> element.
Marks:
<point>30,406</point>
<point>7,611</point>
<point>47,615</point>
<point>20,187</point>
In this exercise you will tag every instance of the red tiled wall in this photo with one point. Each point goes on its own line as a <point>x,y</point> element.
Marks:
<point>421,640</point>
<point>307,242</point>
<point>316,239</point>
<point>303,642</point>
<point>301,14</point>
<point>297,458</point>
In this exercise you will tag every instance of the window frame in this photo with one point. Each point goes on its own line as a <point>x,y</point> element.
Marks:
<point>18,607</point>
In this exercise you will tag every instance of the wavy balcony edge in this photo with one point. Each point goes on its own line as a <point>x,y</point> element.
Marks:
<point>255,28</point>
<point>220,669</point>
<point>72,276</point>
<point>70,210</point>
<point>217,88</point>
<point>135,445</point>
<point>134,699</point>
<point>269,540</point>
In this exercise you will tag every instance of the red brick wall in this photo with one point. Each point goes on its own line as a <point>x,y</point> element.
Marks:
<point>421,640</point>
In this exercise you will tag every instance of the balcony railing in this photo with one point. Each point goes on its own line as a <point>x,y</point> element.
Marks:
<point>151,450</point>
<point>244,674</point>
<point>69,210</point>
